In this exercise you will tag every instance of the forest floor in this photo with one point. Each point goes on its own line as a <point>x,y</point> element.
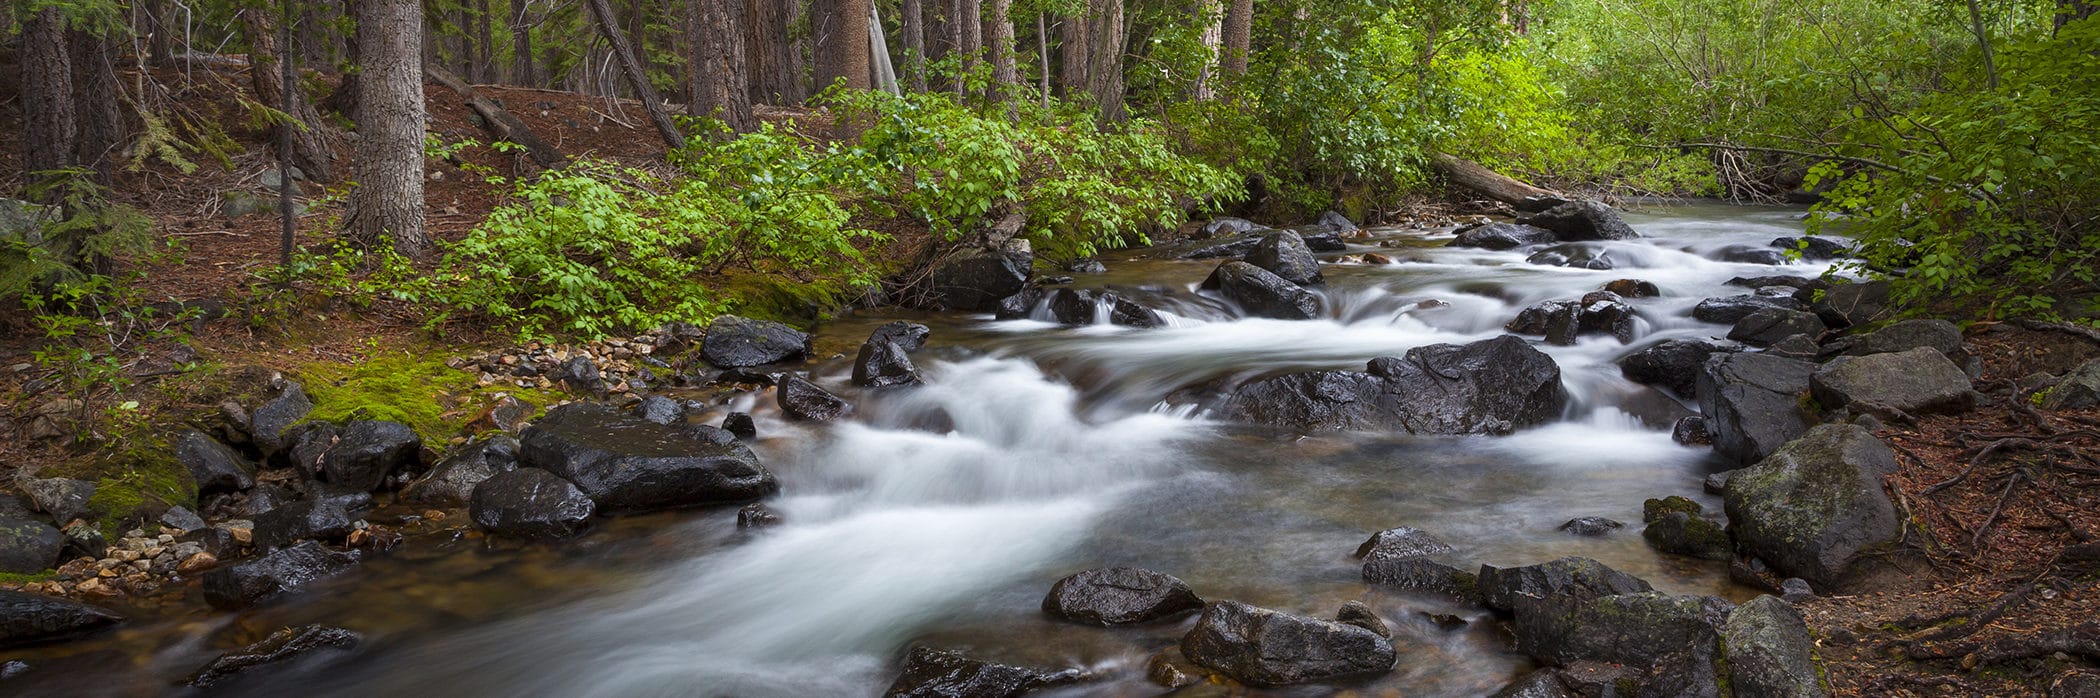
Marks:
<point>2008,551</point>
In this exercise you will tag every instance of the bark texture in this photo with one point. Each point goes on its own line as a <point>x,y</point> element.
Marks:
<point>388,202</point>
<point>999,33</point>
<point>521,67</point>
<point>1238,37</point>
<point>311,149</point>
<point>841,28</point>
<point>101,128</point>
<point>48,125</point>
<point>720,86</point>
<point>914,29</point>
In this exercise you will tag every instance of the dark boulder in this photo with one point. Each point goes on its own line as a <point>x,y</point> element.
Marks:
<point>1233,248</point>
<point>1770,652</point>
<point>628,465</point>
<point>1939,335</point>
<point>1020,305</point>
<point>1767,326</point>
<point>1078,307</point>
<point>2077,391</point>
<point>736,342</point>
<point>321,519</point>
<point>1324,242</point>
<point>1120,596</point>
<point>1728,310</point>
<point>909,336</point>
<point>28,546</point>
<point>1745,254</point>
<point>1422,575</point>
<point>181,519</point>
<point>1502,236</point>
<point>369,452</point>
<point>306,644</point>
<point>1284,254</point>
<point>1816,505</point>
<point>932,673</point>
<point>803,401</point>
<point>64,499</point>
<point>1336,222</point>
<point>1603,312</point>
<point>1639,629</point>
<point>1592,526</point>
<point>1401,543</point>
<point>1261,647</point>
<point>1916,382</point>
<point>1672,363</point>
<point>1849,305</point>
<point>304,445</point>
<point>285,406</point>
<point>1582,220</point>
<point>757,515</point>
<point>1679,533</point>
<point>214,466</point>
<point>290,569</point>
<point>1632,288</point>
<point>1813,248</point>
<point>1691,431</point>
<point>1752,403</point>
<point>1569,579</point>
<point>1262,294</point>
<point>84,539</point>
<point>1558,321</point>
<point>31,619</point>
<point>1543,683</point>
<point>1228,226</point>
<point>739,425</point>
<point>1492,386</point>
<point>883,364</point>
<point>452,481</point>
<point>975,280</point>
<point>532,504</point>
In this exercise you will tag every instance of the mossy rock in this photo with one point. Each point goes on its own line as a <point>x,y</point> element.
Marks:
<point>409,387</point>
<point>134,483</point>
<point>1655,509</point>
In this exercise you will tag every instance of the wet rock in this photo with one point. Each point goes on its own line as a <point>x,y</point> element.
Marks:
<point>1503,236</point>
<point>1633,288</point>
<point>1793,282</point>
<point>1591,526</point>
<point>312,519</point>
<point>1679,533</point>
<point>1798,346</point>
<point>28,546</point>
<point>31,619</point>
<point>1728,310</point>
<point>1691,431</point>
<point>1543,683</point>
<point>63,499</point>
<point>1357,614</point>
<point>1558,321</point>
<point>1492,386</point>
<point>1262,294</point>
<point>1673,364</point>
<point>369,452</point>
<point>1814,249</point>
<point>1603,312</point>
<point>286,570</point>
<point>1336,222</point>
<point>909,336</point>
<point>1770,652</point>
<point>804,401</point>
<point>214,466</point>
<point>1120,596</point>
<point>452,481</point>
<point>628,465</point>
<point>737,342</point>
<point>286,405</point>
<point>1229,226</point>
<point>1234,248</point>
<point>181,519</point>
<point>739,424</point>
<point>1939,335</point>
<point>1916,382</point>
<point>1745,254</point>
<point>1078,307</point>
<point>1086,266</point>
<point>660,409</point>
<point>303,644</point>
<point>1261,647</point>
<point>1851,305</point>
<point>883,364</point>
<point>757,515</point>
<point>1568,580</point>
<point>1654,509</point>
<point>1573,257</point>
<point>1752,403</point>
<point>1284,254</point>
<point>1637,629</point>
<point>1582,220</point>
<point>1401,543</point>
<point>1422,575</point>
<point>1324,242</point>
<point>932,673</point>
<point>975,280</point>
<point>581,374</point>
<point>1020,305</point>
<point>2076,391</point>
<point>1768,326</point>
<point>1816,505</point>
<point>305,445</point>
<point>532,504</point>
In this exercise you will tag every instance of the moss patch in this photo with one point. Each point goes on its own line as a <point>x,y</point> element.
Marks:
<point>134,481</point>
<point>771,297</point>
<point>412,387</point>
<point>21,578</point>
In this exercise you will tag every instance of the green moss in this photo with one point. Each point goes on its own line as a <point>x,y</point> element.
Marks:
<point>781,299</point>
<point>415,388</point>
<point>20,578</point>
<point>136,479</point>
<point>1654,509</point>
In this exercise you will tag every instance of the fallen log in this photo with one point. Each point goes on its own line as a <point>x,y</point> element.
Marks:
<point>499,122</point>
<point>1472,175</point>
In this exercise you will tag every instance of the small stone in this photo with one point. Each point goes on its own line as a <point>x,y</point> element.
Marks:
<point>1796,590</point>
<point>1591,526</point>
<point>197,563</point>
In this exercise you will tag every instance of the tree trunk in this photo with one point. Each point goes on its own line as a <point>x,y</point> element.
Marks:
<point>95,103</point>
<point>161,42</point>
<point>499,122</point>
<point>310,149</point>
<point>720,86</point>
<point>841,28</point>
<point>970,38</point>
<point>1238,33</point>
<point>1489,183</point>
<point>49,129</point>
<point>1105,71</point>
<point>1213,17</point>
<point>999,33</point>
<point>637,80</point>
<point>521,72</point>
<point>1042,52</point>
<point>484,43</point>
<point>1072,48</point>
<point>914,28</point>
<point>388,202</point>
<point>767,50</point>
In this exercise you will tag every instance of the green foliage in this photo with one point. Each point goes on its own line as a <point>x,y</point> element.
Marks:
<point>61,244</point>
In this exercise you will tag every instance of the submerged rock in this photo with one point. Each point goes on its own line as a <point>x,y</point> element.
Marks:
<point>1261,647</point>
<point>736,342</point>
<point>1582,220</point>
<point>1078,307</point>
<point>1360,615</point>
<point>31,619</point>
<point>1503,236</point>
<point>1816,505</point>
<point>1592,526</point>
<point>289,569</point>
<point>1493,386</point>
<point>1284,254</point>
<point>1262,294</point>
<point>1401,543</point>
<point>300,644</point>
<point>1120,596</point>
<point>804,401</point>
<point>627,464</point>
<point>932,673</point>
<point>532,504</point>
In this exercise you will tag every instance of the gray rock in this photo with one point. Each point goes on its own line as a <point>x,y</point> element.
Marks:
<point>1229,226</point>
<point>1691,431</point>
<point>627,465</point>
<point>1849,305</point>
<point>1767,326</point>
<point>1502,236</point>
<point>1942,336</point>
<point>1638,629</point>
<point>1399,544</point>
<point>84,540</point>
<point>909,336</point>
<point>1492,386</point>
<point>1568,579</point>
<point>1360,615</point>
<point>1816,505</point>
<point>453,479</point>
<point>1120,596</point>
<point>28,546</point>
<point>660,409</point>
<point>369,452</point>
<point>32,619</point>
<point>1770,652</point>
<point>737,342</point>
<point>1261,293</point>
<point>976,280</point>
<point>1673,364</point>
<point>1745,254</point>
<point>1261,647</point>
<point>1284,254</point>
<point>1543,683</point>
<point>1916,382</point>
<point>285,406</point>
<point>1728,310</point>
<point>182,519</point>
<point>1717,483</point>
<point>64,499</point>
<point>1334,221</point>
<point>1582,220</point>
<point>931,673</point>
<point>286,524</point>
<point>532,504</point>
<point>2078,390</point>
<point>1591,526</point>
<point>1423,575</point>
<point>290,569</point>
<point>1752,403</point>
<point>804,401</point>
<point>1679,533</point>
<point>305,644</point>
<point>214,466</point>
<point>1798,346</point>
<point>883,364</point>
<point>1796,590</point>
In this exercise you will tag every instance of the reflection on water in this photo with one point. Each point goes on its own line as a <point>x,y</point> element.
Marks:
<point>1034,451</point>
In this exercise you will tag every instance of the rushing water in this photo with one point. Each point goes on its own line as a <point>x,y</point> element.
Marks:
<point>942,514</point>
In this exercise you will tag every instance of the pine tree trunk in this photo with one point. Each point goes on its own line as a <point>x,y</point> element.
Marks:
<point>521,69</point>
<point>841,28</point>
<point>49,128</point>
<point>160,43</point>
<point>914,28</point>
<point>310,148</point>
<point>1239,37</point>
<point>637,80</point>
<point>95,103</point>
<point>970,37</point>
<point>388,202</point>
<point>1042,52</point>
<point>720,86</point>
<point>1213,16</point>
<point>1072,49</point>
<point>1105,72</point>
<point>484,43</point>
<point>999,33</point>
<point>768,49</point>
